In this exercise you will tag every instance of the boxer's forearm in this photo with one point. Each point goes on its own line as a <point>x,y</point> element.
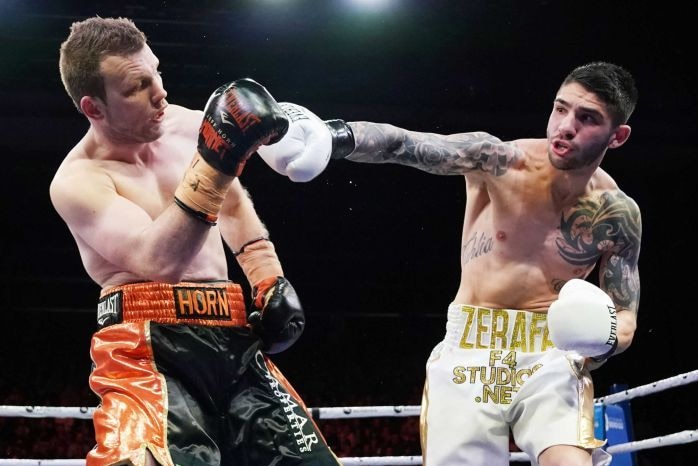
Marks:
<point>627,323</point>
<point>434,153</point>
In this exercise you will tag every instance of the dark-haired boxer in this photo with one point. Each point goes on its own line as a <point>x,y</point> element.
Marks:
<point>150,194</point>
<point>524,327</point>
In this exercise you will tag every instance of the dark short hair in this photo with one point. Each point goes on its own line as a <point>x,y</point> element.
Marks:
<point>89,42</point>
<point>613,84</point>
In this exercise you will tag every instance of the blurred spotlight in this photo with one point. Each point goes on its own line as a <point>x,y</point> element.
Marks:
<point>370,5</point>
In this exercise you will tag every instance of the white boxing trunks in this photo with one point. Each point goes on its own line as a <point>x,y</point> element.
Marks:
<point>497,370</point>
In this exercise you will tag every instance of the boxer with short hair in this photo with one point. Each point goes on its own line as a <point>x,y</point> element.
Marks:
<point>151,194</point>
<point>524,328</point>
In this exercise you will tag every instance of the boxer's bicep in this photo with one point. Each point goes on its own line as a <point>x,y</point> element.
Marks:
<point>619,274</point>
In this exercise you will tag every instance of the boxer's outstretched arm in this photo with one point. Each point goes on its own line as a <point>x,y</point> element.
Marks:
<point>310,143</point>
<point>453,154</point>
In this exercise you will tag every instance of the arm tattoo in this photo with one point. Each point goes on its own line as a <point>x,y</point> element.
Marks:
<point>438,154</point>
<point>611,228</point>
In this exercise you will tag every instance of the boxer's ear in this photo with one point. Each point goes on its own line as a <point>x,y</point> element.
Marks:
<point>619,136</point>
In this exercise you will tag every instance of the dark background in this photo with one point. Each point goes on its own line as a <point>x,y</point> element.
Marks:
<point>372,250</point>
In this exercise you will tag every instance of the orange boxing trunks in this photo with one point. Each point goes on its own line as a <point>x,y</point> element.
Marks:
<point>180,375</point>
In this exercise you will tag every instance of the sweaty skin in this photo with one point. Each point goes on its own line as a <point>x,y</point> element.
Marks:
<point>540,211</point>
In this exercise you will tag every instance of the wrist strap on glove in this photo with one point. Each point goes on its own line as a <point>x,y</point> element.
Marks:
<point>606,355</point>
<point>343,142</point>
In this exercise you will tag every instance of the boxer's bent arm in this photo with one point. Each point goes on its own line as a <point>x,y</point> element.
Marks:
<point>618,271</point>
<point>454,154</point>
<point>239,224</point>
<point>122,232</point>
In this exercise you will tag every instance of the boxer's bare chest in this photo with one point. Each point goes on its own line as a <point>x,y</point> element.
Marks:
<point>151,182</point>
<point>556,243</point>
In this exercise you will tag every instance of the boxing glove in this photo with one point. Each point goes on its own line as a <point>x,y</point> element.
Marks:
<point>238,118</point>
<point>583,320</point>
<point>276,314</point>
<point>309,144</point>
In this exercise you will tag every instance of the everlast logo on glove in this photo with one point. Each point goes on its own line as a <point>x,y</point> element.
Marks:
<point>613,336</point>
<point>201,303</point>
<point>215,138</point>
<point>244,119</point>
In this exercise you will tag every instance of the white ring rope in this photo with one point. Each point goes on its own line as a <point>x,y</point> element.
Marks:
<point>355,411</point>
<point>348,412</point>
<point>654,387</point>
<point>47,411</point>
<point>365,411</point>
<point>13,462</point>
<point>686,436</point>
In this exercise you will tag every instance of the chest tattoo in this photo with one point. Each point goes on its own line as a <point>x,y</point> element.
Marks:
<point>477,245</point>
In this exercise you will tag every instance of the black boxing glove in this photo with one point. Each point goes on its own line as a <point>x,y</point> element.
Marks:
<point>239,117</point>
<point>276,315</point>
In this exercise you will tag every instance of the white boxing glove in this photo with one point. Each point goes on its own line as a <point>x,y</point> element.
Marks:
<point>306,148</point>
<point>583,319</point>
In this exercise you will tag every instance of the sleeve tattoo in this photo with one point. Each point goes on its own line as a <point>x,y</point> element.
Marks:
<point>438,154</point>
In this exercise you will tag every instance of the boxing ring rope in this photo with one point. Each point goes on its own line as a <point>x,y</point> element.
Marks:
<point>686,436</point>
<point>654,387</point>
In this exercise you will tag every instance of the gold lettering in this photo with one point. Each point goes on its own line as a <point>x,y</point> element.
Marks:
<point>469,314</point>
<point>487,377</point>
<point>520,374</point>
<point>473,373</point>
<point>499,333</point>
<point>482,328</point>
<point>495,355</point>
<point>537,330</point>
<point>510,359</point>
<point>518,338</point>
<point>523,374</point>
<point>503,376</point>
<point>546,340</point>
<point>459,373</point>
<point>490,393</point>
<point>505,394</point>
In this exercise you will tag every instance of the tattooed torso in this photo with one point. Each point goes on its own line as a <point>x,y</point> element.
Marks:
<point>522,239</point>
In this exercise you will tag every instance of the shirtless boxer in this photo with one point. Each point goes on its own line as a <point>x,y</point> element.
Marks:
<point>151,194</point>
<point>524,327</point>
